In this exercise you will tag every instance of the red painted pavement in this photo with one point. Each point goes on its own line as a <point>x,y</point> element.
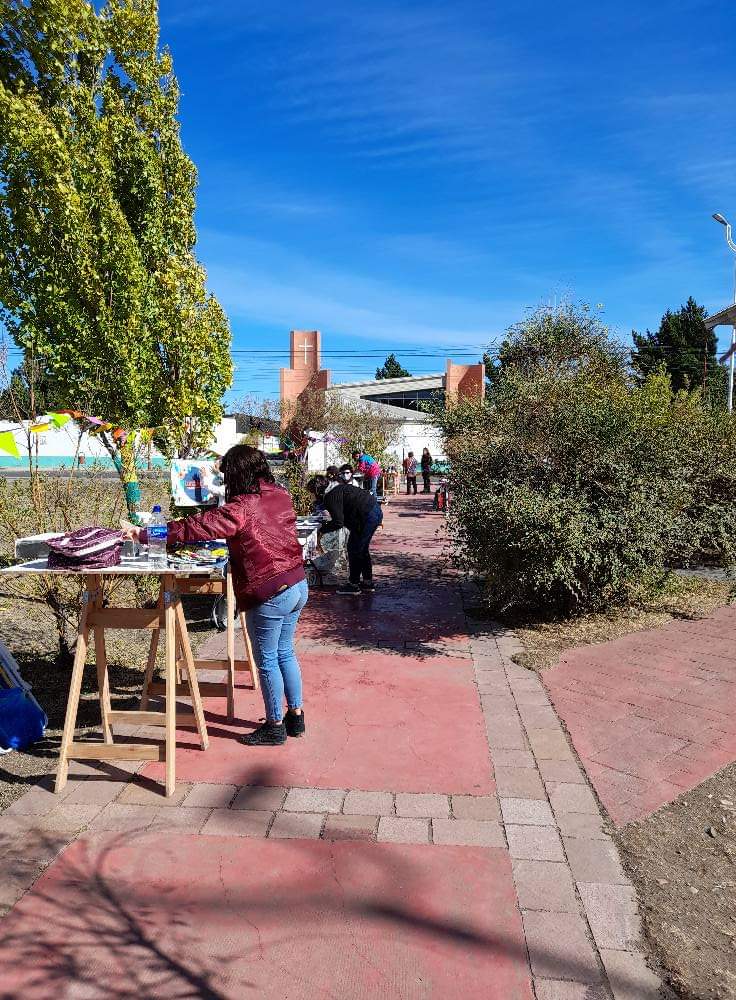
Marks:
<point>651,715</point>
<point>374,721</point>
<point>171,915</point>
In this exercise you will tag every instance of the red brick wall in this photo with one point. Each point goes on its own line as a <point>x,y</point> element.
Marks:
<point>465,380</point>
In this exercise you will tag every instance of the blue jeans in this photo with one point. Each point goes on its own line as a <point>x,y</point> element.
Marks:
<point>358,548</point>
<point>370,483</point>
<point>271,627</point>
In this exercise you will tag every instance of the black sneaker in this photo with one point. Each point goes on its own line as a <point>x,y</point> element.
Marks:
<point>368,586</point>
<point>294,723</point>
<point>270,734</point>
<point>350,589</point>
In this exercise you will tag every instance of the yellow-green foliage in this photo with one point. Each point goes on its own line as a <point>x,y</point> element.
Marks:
<point>98,274</point>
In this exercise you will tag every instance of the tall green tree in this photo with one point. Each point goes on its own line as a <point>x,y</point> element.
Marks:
<point>25,391</point>
<point>567,338</point>
<point>685,349</point>
<point>392,368</point>
<point>98,273</point>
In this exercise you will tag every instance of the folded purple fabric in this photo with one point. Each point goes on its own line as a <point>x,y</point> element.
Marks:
<point>86,548</point>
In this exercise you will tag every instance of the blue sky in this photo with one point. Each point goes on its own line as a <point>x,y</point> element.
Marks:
<point>413,176</point>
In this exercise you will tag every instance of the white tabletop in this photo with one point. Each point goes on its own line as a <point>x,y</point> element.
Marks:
<point>128,566</point>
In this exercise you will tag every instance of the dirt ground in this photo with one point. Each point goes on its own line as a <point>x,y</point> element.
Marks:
<point>683,863</point>
<point>30,638</point>
<point>682,860</point>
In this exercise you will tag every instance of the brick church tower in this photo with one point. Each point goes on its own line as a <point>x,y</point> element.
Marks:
<point>304,371</point>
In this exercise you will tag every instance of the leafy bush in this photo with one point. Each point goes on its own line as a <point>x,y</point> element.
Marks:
<point>293,476</point>
<point>573,487</point>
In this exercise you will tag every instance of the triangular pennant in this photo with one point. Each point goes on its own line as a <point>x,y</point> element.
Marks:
<point>60,419</point>
<point>7,444</point>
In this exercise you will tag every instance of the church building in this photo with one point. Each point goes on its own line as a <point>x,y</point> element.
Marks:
<point>398,398</point>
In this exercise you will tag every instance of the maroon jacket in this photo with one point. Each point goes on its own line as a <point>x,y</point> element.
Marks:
<point>265,554</point>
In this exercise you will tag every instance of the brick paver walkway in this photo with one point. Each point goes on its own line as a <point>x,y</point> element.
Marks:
<point>651,714</point>
<point>432,837</point>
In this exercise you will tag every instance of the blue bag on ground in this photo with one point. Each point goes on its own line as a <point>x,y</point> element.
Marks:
<point>21,720</point>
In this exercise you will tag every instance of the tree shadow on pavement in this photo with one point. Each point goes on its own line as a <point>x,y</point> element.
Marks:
<point>106,922</point>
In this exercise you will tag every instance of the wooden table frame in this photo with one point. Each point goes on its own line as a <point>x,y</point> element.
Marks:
<point>168,615</point>
<point>208,689</point>
<point>180,666</point>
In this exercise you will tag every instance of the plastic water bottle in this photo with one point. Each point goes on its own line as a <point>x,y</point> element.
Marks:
<point>157,535</point>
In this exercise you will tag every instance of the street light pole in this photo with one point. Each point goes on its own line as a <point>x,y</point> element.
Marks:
<point>732,246</point>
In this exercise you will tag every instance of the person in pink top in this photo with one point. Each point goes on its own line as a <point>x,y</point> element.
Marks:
<point>370,468</point>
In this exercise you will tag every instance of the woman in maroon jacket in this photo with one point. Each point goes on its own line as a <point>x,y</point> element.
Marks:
<point>259,523</point>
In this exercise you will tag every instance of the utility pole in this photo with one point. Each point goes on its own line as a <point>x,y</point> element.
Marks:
<point>732,246</point>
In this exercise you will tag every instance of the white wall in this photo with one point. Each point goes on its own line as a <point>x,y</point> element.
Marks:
<point>226,435</point>
<point>413,436</point>
<point>61,443</point>
<point>56,442</point>
<point>320,453</point>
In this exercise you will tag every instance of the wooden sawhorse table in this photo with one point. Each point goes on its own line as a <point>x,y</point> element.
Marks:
<point>208,689</point>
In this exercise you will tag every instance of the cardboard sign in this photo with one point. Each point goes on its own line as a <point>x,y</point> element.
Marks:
<point>190,482</point>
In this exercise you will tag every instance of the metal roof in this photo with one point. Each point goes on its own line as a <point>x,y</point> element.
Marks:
<point>726,317</point>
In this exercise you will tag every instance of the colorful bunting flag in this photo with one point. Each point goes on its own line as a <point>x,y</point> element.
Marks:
<point>7,444</point>
<point>39,428</point>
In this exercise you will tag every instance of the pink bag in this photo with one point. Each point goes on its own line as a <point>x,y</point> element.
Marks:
<point>86,548</point>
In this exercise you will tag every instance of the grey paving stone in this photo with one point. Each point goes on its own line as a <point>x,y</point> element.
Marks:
<point>422,804</point>
<point>350,827</point>
<point>534,843</point>
<point>210,796</point>
<point>612,914</point>
<point>572,798</point>
<point>559,947</point>
<point>238,823</point>
<point>519,782</point>
<point>259,798</point>
<point>317,800</point>
<point>297,826</point>
<point>594,861</point>
<point>545,885</point>
<point>467,833</point>
<point>403,830</point>
<point>532,812</point>
<point>483,807</point>
<point>629,976</point>
<point>369,803</point>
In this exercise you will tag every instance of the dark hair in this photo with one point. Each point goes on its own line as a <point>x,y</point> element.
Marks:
<point>346,468</point>
<point>356,454</point>
<point>410,455</point>
<point>332,472</point>
<point>244,468</point>
<point>317,486</point>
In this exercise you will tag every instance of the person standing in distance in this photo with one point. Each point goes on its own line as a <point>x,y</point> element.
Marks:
<point>426,463</point>
<point>370,468</point>
<point>410,471</point>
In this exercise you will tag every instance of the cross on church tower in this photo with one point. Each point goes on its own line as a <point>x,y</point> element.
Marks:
<point>307,347</point>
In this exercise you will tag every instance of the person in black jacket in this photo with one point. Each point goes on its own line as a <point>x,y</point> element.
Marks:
<point>426,463</point>
<point>361,514</point>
